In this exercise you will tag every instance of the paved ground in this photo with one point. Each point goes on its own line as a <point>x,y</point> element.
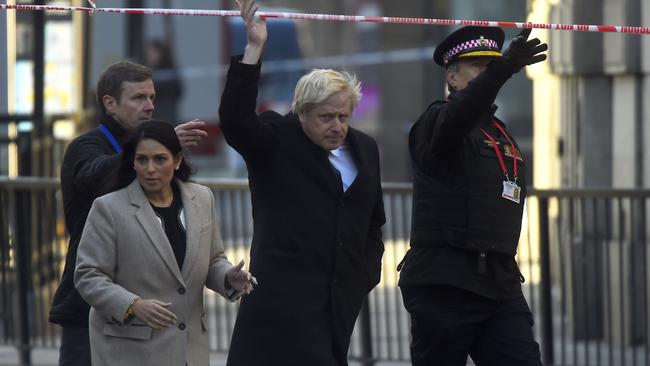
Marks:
<point>49,357</point>
<point>9,356</point>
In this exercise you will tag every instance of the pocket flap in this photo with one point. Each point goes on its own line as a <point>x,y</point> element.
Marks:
<point>128,331</point>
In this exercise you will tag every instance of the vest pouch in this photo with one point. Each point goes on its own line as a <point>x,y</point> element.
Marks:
<point>493,222</point>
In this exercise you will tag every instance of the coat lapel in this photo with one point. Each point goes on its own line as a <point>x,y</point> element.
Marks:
<point>314,160</point>
<point>193,227</point>
<point>152,227</point>
<point>360,157</point>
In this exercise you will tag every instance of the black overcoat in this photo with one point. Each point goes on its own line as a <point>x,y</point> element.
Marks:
<point>316,250</point>
<point>86,173</point>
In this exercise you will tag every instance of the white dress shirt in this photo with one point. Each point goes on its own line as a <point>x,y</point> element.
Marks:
<point>341,159</point>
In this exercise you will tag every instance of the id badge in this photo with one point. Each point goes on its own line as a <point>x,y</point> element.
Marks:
<point>511,191</point>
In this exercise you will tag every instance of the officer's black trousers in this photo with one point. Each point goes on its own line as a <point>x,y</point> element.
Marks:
<point>448,324</point>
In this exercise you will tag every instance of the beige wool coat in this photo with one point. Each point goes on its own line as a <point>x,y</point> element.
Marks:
<point>125,253</point>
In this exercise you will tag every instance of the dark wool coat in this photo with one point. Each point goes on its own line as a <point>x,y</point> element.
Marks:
<point>86,173</point>
<point>444,146</point>
<point>316,251</point>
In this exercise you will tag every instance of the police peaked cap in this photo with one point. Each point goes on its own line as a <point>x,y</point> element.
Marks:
<point>471,41</point>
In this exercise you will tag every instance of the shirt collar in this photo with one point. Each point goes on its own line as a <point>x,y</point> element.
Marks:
<point>338,152</point>
<point>113,126</point>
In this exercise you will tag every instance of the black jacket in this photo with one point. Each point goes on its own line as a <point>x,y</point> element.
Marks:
<point>446,145</point>
<point>316,251</point>
<point>88,171</point>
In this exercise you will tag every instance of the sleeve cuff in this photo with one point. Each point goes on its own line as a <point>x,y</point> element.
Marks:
<point>244,70</point>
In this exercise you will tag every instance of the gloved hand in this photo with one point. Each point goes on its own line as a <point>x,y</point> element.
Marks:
<point>523,52</point>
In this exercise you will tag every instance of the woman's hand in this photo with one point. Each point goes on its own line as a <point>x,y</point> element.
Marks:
<point>241,280</point>
<point>154,313</point>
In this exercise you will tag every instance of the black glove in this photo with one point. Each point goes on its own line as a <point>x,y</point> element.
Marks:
<point>522,52</point>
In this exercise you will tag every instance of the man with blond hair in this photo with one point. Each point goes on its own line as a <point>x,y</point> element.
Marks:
<point>317,210</point>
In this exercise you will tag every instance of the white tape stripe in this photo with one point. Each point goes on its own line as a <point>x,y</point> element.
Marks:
<point>346,18</point>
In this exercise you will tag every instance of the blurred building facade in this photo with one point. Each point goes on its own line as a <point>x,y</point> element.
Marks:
<point>4,98</point>
<point>590,115</point>
<point>591,125</point>
<point>392,60</point>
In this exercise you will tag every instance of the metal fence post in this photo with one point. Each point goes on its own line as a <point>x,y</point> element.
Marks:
<point>545,283</point>
<point>23,260</point>
<point>367,358</point>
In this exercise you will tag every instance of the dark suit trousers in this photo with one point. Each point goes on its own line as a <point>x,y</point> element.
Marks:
<point>75,346</point>
<point>448,324</point>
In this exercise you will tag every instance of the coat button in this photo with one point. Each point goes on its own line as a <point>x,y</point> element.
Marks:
<point>181,290</point>
<point>334,280</point>
<point>341,203</point>
<point>340,243</point>
<point>181,326</point>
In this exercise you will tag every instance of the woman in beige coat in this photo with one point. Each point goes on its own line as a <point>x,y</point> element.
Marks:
<point>146,253</point>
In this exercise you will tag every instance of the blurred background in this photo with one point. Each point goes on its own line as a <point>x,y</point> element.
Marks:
<point>190,57</point>
<point>583,110</point>
<point>581,120</point>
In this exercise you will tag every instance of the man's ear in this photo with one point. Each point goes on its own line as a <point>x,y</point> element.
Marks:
<point>301,116</point>
<point>110,104</point>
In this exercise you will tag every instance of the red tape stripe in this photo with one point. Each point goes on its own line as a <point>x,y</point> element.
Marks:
<point>342,18</point>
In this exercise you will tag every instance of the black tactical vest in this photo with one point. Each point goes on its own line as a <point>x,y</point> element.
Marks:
<point>472,215</point>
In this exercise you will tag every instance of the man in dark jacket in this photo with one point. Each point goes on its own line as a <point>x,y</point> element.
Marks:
<point>317,210</point>
<point>460,282</point>
<point>125,94</point>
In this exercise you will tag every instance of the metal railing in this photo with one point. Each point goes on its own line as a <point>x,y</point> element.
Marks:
<point>593,298</point>
<point>584,254</point>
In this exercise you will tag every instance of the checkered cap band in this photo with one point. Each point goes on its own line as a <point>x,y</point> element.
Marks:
<point>470,45</point>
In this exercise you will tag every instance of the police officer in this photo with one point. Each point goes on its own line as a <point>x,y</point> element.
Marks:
<point>459,281</point>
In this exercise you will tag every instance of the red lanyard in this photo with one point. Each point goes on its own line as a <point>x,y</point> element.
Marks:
<point>498,151</point>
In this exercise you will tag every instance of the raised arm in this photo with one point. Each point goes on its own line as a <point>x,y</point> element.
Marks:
<point>255,31</point>
<point>441,128</point>
<point>467,107</point>
<point>240,124</point>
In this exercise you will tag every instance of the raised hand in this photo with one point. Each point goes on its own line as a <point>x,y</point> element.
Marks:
<point>523,52</point>
<point>255,31</point>
<point>154,313</point>
<point>190,133</point>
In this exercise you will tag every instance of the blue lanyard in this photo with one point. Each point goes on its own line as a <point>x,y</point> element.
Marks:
<point>110,138</point>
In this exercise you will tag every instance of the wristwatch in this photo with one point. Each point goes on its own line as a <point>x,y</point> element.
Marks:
<point>129,311</point>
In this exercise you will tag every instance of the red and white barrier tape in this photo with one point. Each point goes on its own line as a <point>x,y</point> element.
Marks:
<point>340,18</point>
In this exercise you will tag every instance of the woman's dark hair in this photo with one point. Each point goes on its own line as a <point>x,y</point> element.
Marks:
<point>157,130</point>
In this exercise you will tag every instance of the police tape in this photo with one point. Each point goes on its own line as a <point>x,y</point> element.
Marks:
<point>339,18</point>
